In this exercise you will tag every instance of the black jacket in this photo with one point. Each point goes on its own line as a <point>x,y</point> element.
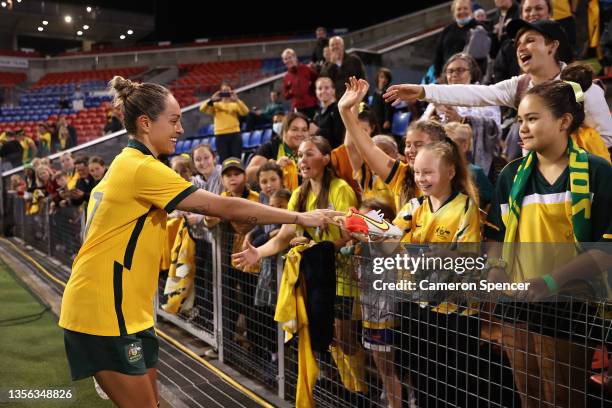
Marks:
<point>452,40</point>
<point>351,66</point>
<point>12,152</point>
<point>513,13</point>
<point>330,124</point>
<point>317,53</point>
<point>381,109</point>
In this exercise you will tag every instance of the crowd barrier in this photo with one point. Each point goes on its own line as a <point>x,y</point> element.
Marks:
<point>508,355</point>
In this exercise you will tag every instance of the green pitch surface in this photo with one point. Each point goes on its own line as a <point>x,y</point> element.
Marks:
<point>32,355</point>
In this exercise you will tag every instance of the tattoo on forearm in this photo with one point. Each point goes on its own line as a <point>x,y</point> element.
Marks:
<point>199,209</point>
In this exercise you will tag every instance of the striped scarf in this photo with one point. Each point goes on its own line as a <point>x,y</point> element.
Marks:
<point>580,211</point>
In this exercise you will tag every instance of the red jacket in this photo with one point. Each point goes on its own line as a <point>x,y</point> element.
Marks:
<point>298,85</point>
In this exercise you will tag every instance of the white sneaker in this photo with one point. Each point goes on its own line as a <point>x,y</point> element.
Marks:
<point>371,225</point>
<point>211,353</point>
<point>99,390</point>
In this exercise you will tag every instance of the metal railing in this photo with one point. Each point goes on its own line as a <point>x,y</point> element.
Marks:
<point>387,349</point>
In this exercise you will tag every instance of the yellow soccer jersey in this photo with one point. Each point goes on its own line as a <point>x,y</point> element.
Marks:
<point>546,215</point>
<point>114,276</point>
<point>373,187</point>
<point>72,180</point>
<point>397,179</point>
<point>457,220</point>
<point>341,198</point>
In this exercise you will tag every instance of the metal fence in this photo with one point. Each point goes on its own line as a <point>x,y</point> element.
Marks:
<point>387,350</point>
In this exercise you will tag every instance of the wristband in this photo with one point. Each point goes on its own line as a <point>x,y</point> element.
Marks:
<point>551,283</point>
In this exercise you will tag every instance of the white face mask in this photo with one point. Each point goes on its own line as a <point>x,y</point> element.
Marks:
<point>463,21</point>
<point>277,128</point>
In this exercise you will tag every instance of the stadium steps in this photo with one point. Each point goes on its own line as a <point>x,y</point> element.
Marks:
<point>183,381</point>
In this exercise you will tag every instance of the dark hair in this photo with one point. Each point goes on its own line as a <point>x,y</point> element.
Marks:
<point>96,159</point>
<point>376,204</point>
<point>81,160</point>
<point>580,73</point>
<point>560,99</point>
<point>387,73</point>
<point>449,152</point>
<point>370,117</point>
<point>548,5</point>
<point>202,146</point>
<point>270,166</point>
<point>290,117</point>
<point>475,73</point>
<point>135,99</point>
<point>328,175</point>
<point>547,40</point>
<point>282,194</point>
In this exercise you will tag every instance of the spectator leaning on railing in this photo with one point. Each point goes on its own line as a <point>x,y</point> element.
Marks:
<point>226,108</point>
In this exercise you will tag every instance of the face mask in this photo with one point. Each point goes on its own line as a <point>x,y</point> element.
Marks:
<point>463,21</point>
<point>277,128</point>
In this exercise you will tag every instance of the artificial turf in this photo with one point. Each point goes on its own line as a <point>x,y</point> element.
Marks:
<point>32,352</point>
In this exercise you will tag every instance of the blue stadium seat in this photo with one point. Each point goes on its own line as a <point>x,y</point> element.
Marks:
<point>179,147</point>
<point>187,145</point>
<point>255,139</point>
<point>213,143</point>
<point>400,123</point>
<point>245,139</point>
<point>267,135</point>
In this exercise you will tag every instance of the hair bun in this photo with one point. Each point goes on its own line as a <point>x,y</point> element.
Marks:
<point>122,87</point>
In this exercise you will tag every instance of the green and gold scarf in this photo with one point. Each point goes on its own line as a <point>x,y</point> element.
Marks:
<point>580,212</point>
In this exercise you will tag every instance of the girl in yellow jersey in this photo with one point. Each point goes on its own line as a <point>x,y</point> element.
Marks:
<point>559,197</point>
<point>322,189</point>
<point>107,307</point>
<point>397,175</point>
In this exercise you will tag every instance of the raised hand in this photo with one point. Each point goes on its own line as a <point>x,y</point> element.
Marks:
<point>356,90</point>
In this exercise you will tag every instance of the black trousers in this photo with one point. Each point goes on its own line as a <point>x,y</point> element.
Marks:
<point>229,145</point>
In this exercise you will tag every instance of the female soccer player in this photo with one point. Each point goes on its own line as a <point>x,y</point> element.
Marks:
<point>107,308</point>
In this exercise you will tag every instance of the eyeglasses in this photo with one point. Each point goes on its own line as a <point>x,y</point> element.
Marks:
<point>457,71</point>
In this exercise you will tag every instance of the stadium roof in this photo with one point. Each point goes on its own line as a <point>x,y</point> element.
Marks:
<point>59,20</point>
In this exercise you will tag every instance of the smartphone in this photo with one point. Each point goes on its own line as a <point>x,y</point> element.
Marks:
<point>225,94</point>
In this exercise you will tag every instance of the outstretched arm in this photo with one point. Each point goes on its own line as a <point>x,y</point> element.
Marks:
<point>378,161</point>
<point>249,212</point>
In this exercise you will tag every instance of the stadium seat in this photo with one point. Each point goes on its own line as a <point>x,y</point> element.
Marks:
<point>255,139</point>
<point>245,139</point>
<point>400,123</point>
<point>266,136</point>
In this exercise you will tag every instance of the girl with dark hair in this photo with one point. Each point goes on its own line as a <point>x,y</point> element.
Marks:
<point>558,193</point>
<point>107,306</point>
<point>283,151</point>
<point>396,174</point>
<point>320,189</point>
